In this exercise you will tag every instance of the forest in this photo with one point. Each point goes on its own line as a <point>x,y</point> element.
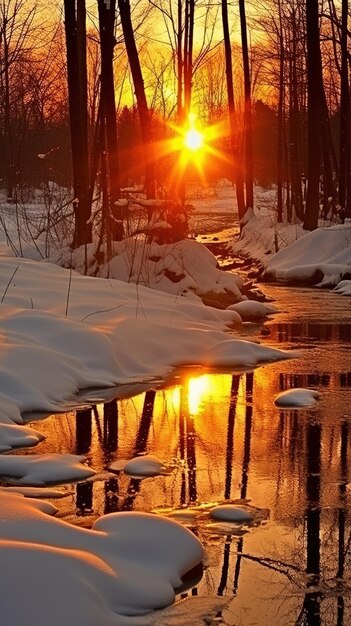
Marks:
<point>95,98</point>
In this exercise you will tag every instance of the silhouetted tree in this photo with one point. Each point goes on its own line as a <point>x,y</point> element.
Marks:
<point>345,172</point>
<point>238,177</point>
<point>144,113</point>
<point>75,16</point>
<point>107,14</point>
<point>247,109</point>
<point>314,77</point>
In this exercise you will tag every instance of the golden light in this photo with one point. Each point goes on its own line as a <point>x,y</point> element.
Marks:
<point>197,388</point>
<point>194,148</point>
<point>193,139</point>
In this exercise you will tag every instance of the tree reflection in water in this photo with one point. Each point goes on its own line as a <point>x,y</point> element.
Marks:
<point>299,456</point>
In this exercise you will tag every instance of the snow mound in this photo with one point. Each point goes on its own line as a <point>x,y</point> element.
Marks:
<point>250,310</point>
<point>147,465</point>
<point>232,513</point>
<point>295,398</point>
<point>13,436</point>
<point>242,354</point>
<point>322,257</point>
<point>183,268</point>
<point>129,564</point>
<point>343,288</point>
<point>83,332</point>
<point>44,469</point>
<point>39,492</point>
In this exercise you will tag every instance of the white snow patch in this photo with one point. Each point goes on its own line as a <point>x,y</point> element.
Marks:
<point>129,564</point>
<point>297,398</point>
<point>232,513</point>
<point>39,492</point>
<point>182,268</point>
<point>63,332</point>
<point>13,436</point>
<point>240,353</point>
<point>343,288</point>
<point>147,465</point>
<point>44,469</point>
<point>250,310</point>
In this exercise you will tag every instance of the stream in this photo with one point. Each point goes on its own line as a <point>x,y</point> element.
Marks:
<point>226,441</point>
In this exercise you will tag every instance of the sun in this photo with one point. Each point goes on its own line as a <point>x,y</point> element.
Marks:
<point>193,139</point>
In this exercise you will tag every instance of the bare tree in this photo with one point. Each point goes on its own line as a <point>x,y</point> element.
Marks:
<point>314,78</point>
<point>247,109</point>
<point>75,29</point>
<point>232,116</point>
<point>107,14</point>
<point>138,82</point>
<point>16,27</point>
<point>344,158</point>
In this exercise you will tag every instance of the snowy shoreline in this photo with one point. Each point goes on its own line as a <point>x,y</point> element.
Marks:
<point>61,333</point>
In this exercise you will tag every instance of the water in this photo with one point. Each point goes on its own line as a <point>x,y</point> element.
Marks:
<point>228,441</point>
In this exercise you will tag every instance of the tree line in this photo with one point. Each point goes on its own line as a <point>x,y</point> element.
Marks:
<point>80,89</point>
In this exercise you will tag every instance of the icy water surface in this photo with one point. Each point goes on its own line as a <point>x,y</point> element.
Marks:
<point>226,440</point>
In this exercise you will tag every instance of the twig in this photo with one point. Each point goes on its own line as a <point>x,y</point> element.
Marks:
<point>103,311</point>
<point>69,290</point>
<point>8,284</point>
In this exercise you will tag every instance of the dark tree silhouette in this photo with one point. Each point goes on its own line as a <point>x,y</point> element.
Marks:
<point>75,29</point>
<point>238,177</point>
<point>107,14</point>
<point>345,164</point>
<point>144,113</point>
<point>314,78</point>
<point>247,110</point>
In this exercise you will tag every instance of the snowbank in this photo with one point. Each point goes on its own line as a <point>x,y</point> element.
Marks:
<point>127,565</point>
<point>62,332</point>
<point>184,268</point>
<point>262,236</point>
<point>322,256</point>
<point>291,255</point>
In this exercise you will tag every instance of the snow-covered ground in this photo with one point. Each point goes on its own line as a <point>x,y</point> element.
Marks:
<point>61,333</point>
<point>291,255</point>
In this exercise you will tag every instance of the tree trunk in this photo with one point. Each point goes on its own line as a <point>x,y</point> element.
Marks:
<point>232,118</point>
<point>280,150</point>
<point>344,147</point>
<point>295,175</point>
<point>144,114</point>
<point>107,13</point>
<point>188,54</point>
<point>247,110</point>
<point>78,110</point>
<point>7,123</point>
<point>314,74</point>
<point>180,66</point>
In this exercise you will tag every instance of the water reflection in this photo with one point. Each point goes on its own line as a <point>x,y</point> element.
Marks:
<point>84,494</point>
<point>228,441</point>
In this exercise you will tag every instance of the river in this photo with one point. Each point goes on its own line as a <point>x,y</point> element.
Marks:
<point>227,441</point>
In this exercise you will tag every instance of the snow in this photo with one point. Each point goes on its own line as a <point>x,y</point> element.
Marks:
<point>143,318</point>
<point>289,254</point>
<point>250,310</point>
<point>12,436</point>
<point>146,465</point>
<point>127,565</point>
<point>343,288</point>
<point>295,398</point>
<point>82,332</point>
<point>46,468</point>
<point>322,256</point>
<point>185,268</point>
<point>39,492</point>
<point>231,513</point>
